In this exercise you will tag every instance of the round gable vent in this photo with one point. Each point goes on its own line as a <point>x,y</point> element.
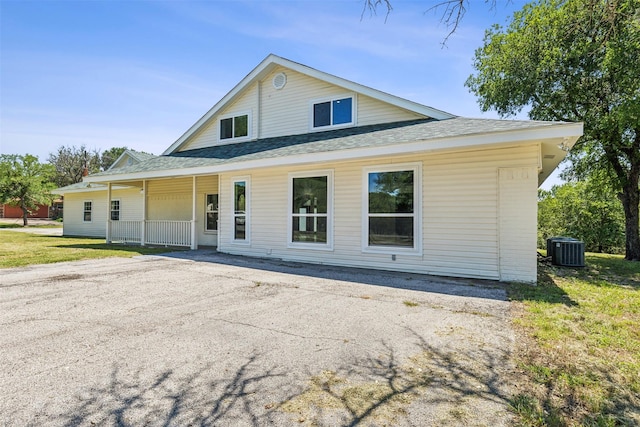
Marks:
<point>279,80</point>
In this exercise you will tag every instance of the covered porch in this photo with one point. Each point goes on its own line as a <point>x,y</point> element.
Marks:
<point>178,211</point>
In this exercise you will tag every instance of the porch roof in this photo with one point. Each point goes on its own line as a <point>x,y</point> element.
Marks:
<point>348,143</point>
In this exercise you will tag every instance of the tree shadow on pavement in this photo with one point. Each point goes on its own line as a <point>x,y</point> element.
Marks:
<point>168,399</point>
<point>432,387</point>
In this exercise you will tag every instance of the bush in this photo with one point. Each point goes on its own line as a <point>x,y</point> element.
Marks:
<point>585,211</point>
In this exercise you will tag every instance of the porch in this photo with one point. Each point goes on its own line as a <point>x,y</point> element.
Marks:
<point>181,211</point>
<point>150,232</point>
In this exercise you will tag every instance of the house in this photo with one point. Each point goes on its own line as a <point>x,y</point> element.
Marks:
<point>86,202</point>
<point>297,164</point>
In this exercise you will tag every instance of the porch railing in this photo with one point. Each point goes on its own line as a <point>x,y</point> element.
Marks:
<point>168,233</point>
<point>126,231</point>
<point>156,232</point>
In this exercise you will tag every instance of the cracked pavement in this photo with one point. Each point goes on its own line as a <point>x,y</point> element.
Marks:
<point>204,338</point>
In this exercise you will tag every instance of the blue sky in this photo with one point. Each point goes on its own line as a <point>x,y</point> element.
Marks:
<point>139,73</point>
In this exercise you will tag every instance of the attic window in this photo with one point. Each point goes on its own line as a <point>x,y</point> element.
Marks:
<point>234,127</point>
<point>336,112</point>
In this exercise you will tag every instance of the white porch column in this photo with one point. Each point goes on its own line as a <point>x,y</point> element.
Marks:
<point>108,234</point>
<point>143,230</point>
<point>194,243</point>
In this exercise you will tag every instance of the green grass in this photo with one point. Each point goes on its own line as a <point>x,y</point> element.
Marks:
<point>21,249</point>
<point>8,225</point>
<point>579,345</point>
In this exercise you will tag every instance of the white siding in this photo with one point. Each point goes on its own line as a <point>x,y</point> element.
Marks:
<point>73,224</point>
<point>209,134</point>
<point>287,111</point>
<point>169,199</point>
<point>517,206</point>
<point>460,226</point>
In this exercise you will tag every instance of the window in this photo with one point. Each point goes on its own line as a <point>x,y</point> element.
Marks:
<point>310,201</point>
<point>241,206</point>
<point>115,210</point>
<point>87,212</point>
<point>392,207</point>
<point>234,127</point>
<point>211,212</point>
<point>333,112</point>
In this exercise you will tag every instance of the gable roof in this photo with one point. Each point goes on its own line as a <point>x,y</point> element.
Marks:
<point>138,156</point>
<point>351,143</point>
<point>272,61</point>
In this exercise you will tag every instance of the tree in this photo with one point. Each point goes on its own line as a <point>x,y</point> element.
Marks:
<point>70,163</point>
<point>108,157</point>
<point>586,210</point>
<point>574,60</point>
<point>25,182</point>
<point>452,11</point>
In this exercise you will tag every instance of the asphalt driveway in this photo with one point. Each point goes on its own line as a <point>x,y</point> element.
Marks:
<point>198,338</point>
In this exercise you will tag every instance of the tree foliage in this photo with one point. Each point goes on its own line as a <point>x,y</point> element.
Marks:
<point>586,210</point>
<point>108,157</point>
<point>70,162</point>
<point>574,60</point>
<point>25,182</point>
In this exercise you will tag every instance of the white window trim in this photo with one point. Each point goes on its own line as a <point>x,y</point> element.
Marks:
<point>417,211</point>
<point>119,209</point>
<point>239,139</point>
<point>84,210</point>
<point>308,245</point>
<point>247,212</point>
<point>354,109</point>
<point>207,231</point>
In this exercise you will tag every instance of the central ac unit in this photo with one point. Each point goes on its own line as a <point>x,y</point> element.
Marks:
<point>566,251</point>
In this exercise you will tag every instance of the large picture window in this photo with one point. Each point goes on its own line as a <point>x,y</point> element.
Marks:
<point>86,214</point>
<point>333,112</point>
<point>211,212</point>
<point>234,127</point>
<point>392,209</point>
<point>310,204</point>
<point>115,210</point>
<point>241,209</point>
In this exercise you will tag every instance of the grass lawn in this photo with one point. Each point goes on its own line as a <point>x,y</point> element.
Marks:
<point>20,249</point>
<point>579,345</point>
<point>12,225</point>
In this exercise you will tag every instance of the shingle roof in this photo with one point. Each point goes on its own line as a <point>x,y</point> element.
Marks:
<point>141,155</point>
<point>378,135</point>
<point>272,61</point>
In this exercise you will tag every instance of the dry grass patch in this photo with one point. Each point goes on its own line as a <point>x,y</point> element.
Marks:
<point>379,401</point>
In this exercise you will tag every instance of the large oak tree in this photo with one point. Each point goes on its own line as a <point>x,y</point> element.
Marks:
<point>574,60</point>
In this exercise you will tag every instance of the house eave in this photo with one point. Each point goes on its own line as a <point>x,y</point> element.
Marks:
<point>547,136</point>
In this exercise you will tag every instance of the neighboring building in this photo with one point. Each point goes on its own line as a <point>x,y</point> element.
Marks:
<point>297,164</point>
<point>130,157</point>
<point>8,211</point>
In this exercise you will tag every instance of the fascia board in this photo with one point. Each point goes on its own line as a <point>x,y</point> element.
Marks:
<point>273,60</point>
<point>262,68</point>
<point>89,189</point>
<point>365,90</point>
<point>570,131</point>
<point>120,157</point>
